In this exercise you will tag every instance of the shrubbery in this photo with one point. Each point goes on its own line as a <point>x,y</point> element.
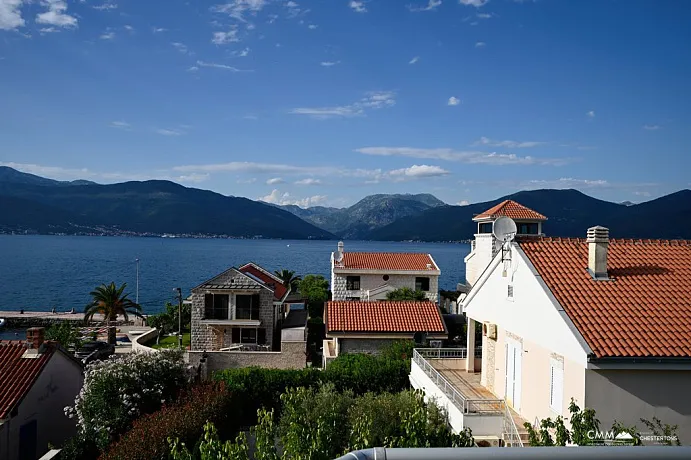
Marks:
<point>184,420</point>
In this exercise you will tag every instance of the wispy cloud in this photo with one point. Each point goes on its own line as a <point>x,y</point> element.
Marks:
<point>329,63</point>
<point>256,168</point>
<point>372,100</point>
<point>11,14</point>
<point>277,197</point>
<point>56,14</point>
<point>250,117</point>
<point>215,65</point>
<point>471,156</point>
<point>453,101</point>
<point>463,203</point>
<point>107,36</point>
<point>181,47</point>
<point>105,6</point>
<point>120,125</point>
<point>237,9</point>
<point>274,181</point>
<point>591,114</point>
<point>358,7</point>
<point>128,28</point>
<point>158,30</point>
<point>651,127</point>
<point>247,180</point>
<point>418,171</point>
<point>484,15</point>
<point>48,30</point>
<point>480,44</point>
<point>507,144</point>
<point>308,181</point>
<point>223,38</point>
<point>241,53</point>
<point>193,69</point>
<point>414,60</point>
<point>169,132</point>
<point>431,6</point>
<point>475,3</point>
<point>312,26</point>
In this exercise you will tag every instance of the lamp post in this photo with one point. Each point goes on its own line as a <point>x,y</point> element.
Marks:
<point>179,291</point>
<point>137,297</point>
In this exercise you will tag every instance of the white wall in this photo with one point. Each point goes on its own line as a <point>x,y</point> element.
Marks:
<point>480,258</point>
<point>372,281</point>
<point>56,387</point>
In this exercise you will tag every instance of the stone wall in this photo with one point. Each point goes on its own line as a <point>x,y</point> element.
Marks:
<point>372,346</point>
<point>292,356</point>
<point>369,282</point>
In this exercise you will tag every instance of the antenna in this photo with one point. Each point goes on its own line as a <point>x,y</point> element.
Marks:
<point>504,230</point>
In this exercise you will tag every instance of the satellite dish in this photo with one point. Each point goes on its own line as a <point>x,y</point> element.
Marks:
<point>504,229</point>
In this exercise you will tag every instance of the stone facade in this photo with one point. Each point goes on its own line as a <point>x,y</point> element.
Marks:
<point>372,281</point>
<point>207,337</point>
<point>292,356</point>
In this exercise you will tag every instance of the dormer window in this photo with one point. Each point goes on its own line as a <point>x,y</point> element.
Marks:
<point>484,227</point>
<point>527,228</point>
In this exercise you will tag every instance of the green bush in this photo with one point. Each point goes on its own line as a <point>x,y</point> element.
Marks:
<point>364,373</point>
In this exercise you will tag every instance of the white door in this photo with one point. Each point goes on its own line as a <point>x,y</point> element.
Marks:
<point>514,352</point>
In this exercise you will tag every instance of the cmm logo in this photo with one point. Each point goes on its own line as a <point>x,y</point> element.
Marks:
<point>610,437</point>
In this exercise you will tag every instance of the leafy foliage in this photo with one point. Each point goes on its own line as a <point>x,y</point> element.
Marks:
<point>666,430</point>
<point>289,279</point>
<point>182,420</point>
<point>211,447</point>
<point>364,373</point>
<point>116,392</point>
<point>65,334</point>
<point>314,288</point>
<point>167,321</point>
<point>109,301</point>
<point>405,293</point>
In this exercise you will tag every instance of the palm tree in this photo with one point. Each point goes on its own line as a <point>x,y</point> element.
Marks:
<point>289,279</point>
<point>109,301</point>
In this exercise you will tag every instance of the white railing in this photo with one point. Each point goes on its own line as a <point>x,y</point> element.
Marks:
<point>510,433</point>
<point>447,353</point>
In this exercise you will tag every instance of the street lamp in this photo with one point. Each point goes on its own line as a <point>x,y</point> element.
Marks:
<point>179,291</point>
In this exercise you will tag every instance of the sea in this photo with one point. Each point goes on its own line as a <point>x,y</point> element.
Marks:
<point>42,272</point>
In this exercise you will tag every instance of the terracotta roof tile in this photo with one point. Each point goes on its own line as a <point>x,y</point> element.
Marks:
<point>270,280</point>
<point>645,308</point>
<point>385,316</point>
<point>510,208</point>
<point>387,261</point>
<point>17,374</point>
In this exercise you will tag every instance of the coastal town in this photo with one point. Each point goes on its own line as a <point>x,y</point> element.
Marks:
<point>548,342</point>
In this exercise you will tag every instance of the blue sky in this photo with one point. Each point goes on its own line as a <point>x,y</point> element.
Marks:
<point>324,102</point>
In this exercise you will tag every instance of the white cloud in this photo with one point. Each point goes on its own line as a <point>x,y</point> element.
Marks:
<point>120,125</point>
<point>414,60</point>
<point>463,203</point>
<point>372,100</point>
<point>475,3</point>
<point>48,30</point>
<point>480,44</point>
<point>257,168</point>
<point>453,101</point>
<point>105,6</point>
<point>158,30</point>
<point>312,26</point>
<point>591,114</point>
<point>308,181</point>
<point>169,132</point>
<point>236,9</point>
<point>418,171</point>
<point>107,36</point>
<point>181,47</point>
<point>471,157</point>
<point>56,14</point>
<point>223,38</point>
<point>358,7</point>
<point>11,15</point>
<point>484,15</point>
<point>507,144</point>
<point>431,6</point>
<point>128,28</point>
<point>274,181</point>
<point>276,197</point>
<point>241,53</point>
<point>651,127</point>
<point>250,117</point>
<point>250,180</point>
<point>220,66</point>
<point>329,63</point>
<point>193,69</point>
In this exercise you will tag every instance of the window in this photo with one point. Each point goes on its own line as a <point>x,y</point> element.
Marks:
<point>247,306</point>
<point>510,291</point>
<point>485,227</point>
<point>216,306</point>
<point>422,284</point>
<point>248,335</point>
<point>353,298</point>
<point>526,228</point>
<point>353,283</point>
<point>385,277</point>
<point>556,385</point>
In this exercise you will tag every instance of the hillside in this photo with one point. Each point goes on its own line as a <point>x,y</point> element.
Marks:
<point>570,213</point>
<point>151,207</point>
<point>368,214</point>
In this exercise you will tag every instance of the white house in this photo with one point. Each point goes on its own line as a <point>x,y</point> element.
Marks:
<point>37,381</point>
<point>369,276</point>
<point>606,322</point>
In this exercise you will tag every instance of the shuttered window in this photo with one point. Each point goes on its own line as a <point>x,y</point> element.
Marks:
<point>556,397</point>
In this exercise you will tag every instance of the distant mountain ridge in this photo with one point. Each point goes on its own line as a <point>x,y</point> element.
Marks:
<point>29,204</point>
<point>8,174</point>
<point>368,214</point>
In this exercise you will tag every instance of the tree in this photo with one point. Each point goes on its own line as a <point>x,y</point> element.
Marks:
<point>314,288</point>
<point>109,301</point>
<point>65,334</point>
<point>406,294</point>
<point>167,321</point>
<point>289,279</point>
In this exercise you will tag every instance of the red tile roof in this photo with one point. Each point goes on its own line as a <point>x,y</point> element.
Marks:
<point>387,261</point>
<point>270,280</point>
<point>510,208</point>
<point>18,374</point>
<point>644,311</point>
<point>385,316</point>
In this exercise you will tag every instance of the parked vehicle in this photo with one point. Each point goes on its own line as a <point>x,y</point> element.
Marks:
<point>91,351</point>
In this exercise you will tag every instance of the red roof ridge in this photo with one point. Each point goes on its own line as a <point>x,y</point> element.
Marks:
<point>403,316</point>
<point>512,209</point>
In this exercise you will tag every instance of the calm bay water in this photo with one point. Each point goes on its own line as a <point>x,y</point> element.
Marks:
<point>38,273</point>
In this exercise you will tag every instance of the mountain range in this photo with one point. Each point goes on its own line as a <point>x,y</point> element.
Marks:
<point>33,204</point>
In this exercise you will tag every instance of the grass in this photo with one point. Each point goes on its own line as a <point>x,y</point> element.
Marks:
<point>172,342</point>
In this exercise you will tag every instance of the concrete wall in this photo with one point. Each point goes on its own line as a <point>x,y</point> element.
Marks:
<point>629,395</point>
<point>373,346</point>
<point>294,334</point>
<point>137,343</point>
<point>291,356</point>
<point>56,387</point>
<point>372,281</point>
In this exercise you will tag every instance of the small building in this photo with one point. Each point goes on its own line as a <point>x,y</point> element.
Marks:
<point>367,327</point>
<point>370,276</point>
<point>38,379</point>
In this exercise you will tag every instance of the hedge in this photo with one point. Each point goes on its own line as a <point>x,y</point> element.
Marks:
<point>184,419</point>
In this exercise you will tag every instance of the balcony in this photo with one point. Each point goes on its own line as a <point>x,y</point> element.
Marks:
<point>441,374</point>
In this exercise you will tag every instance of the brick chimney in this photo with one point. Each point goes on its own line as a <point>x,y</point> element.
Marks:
<point>598,242</point>
<point>35,337</point>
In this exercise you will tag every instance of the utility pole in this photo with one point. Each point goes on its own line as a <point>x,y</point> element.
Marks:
<point>179,291</point>
<point>137,298</point>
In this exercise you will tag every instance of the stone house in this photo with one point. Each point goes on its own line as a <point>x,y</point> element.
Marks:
<point>369,276</point>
